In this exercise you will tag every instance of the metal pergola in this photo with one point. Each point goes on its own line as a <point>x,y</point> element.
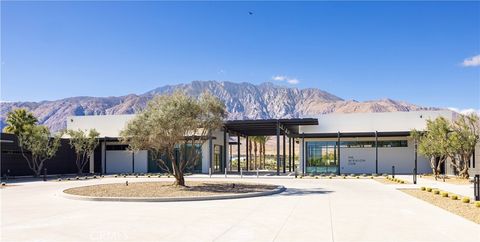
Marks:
<point>268,127</point>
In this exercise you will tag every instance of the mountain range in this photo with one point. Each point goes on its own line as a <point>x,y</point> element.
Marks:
<point>242,100</point>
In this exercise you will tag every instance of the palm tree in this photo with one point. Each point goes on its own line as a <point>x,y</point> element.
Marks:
<point>255,149</point>
<point>18,120</point>
<point>262,140</point>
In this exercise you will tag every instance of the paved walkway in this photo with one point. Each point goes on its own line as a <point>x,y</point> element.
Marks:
<point>310,210</point>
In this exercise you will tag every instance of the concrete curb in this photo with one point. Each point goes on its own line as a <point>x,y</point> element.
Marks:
<point>278,189</point>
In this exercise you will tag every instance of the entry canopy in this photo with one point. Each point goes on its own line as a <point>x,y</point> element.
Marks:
<point>267,127</point>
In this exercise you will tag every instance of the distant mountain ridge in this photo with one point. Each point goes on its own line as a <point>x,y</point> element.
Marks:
<point>243,101</point>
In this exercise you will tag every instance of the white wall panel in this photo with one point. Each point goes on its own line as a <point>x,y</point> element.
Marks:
<point>119,161</point>
<point>357,160</point>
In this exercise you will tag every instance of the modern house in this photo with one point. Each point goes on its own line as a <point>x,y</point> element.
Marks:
<point>331,143</point>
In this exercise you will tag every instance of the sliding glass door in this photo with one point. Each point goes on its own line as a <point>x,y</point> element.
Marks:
<point>321,157</point>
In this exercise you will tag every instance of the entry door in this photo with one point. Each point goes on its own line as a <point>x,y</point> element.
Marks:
<point>217,158</point>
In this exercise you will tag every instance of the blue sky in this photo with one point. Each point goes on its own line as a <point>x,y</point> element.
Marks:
<point>412,51</point>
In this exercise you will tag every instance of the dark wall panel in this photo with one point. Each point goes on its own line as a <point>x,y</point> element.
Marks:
<point>63,162</point>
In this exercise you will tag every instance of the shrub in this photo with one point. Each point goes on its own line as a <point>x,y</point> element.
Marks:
<point>330,177</point>
<point>444,194</point>
<point>68,179</point>
<point>466,200</point>
<point>436,192</point>
<point>94,177</point>
<point>454,197</point>
<point>344,177</point>
<point>371,177</point>
<point>477,204</point>
<point>4,184</point>
<point>77,178</point>
<point>429,189</point>
<point>423,188</point>
<point>159,176</point>
<point>116,176</point>
<point>358,177</point>
<point>299,177</point>
<point>148,176</point>
<point>402,182</point>
<point>59,179</point>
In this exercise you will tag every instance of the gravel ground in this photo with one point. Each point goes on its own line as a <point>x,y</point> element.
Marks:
<point>166,189</point>
<point>451,180</point>
<point>466,210</point>
<point>386,181</point>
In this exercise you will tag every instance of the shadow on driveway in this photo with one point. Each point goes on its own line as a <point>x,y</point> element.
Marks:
<point>303,192</point>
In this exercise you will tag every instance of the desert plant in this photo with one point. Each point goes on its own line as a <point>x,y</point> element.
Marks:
<point>466,200</point>
<point>59,179</point>
<point>175,123</point>
<point>444,194</point>
<point>429,189</point>
<point>4,184</point>
<point>330,177</point>
<point>423,188</point>
<point>454,197</point>
<point>316,177</point>
<point>436,192</point>
<point>477,204</point>
<point>84,144</point>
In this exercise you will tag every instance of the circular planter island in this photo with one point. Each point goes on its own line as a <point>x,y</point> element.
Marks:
<point>166,192</point>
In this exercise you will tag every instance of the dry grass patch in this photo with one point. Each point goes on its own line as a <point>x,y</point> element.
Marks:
<point>166,189</point>
<point>451,180</point>
<point>466,210</point>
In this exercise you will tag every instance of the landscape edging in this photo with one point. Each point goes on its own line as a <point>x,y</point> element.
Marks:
<point>278,189</point>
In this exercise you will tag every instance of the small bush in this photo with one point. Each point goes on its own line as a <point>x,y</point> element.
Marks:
<point>444,194</point>
<point>402,182</point>
<point>429,189</point>
<point>159,176</point>
<point>330,177</point>
<point>299,177</point>
<point>77,178</point>
<point>477,204</point>
<point>466,200</point>
<point>4,184</point>
<point>423,188</point>
<point>116,176</point>
<point>358,177</point>
<point>436,192</point>
<point>59,179</point>
<point>94,177</point>
<point>68,179</point>
<point>371,177</point>
<point>148,176</point>
<point>454,197</point>
<point>316,177</point>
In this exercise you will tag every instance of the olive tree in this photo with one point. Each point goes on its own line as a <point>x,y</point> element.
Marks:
<point>175,122</point>
<point>84,143</point>
<point>434,143</point>
<point>36,142</point>
<point>465,136</point>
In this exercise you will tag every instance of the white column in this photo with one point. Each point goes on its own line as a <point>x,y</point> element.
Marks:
<point>92,162</point>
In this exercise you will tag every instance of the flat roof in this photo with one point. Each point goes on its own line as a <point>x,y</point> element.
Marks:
<point>267,127</point>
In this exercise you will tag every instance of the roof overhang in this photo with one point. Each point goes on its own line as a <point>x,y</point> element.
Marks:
<point>267,127</point>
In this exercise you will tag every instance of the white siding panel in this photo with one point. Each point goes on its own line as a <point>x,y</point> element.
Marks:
<point>357,160</point>
<point>119,161</point>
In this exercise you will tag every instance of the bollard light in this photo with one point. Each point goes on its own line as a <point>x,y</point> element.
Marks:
<point>476,187</point>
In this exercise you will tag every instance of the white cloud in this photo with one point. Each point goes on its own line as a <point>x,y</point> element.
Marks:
<point>465,111</point>
<point>279,78</point>
<point>293,81</point>
<point>472,61</point>
<point>287,79</point>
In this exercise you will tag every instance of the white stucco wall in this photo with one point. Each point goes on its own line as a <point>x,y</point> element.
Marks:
<point>371,122</point>
<point>120,161</point>
<point>106,125</point>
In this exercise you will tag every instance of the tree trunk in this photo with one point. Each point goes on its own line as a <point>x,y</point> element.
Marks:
<point>178,173</point>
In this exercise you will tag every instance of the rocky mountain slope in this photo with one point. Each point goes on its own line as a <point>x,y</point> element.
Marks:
<point>243,101</point>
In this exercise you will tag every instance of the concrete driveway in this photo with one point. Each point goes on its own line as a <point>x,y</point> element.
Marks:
<point>310,210</point>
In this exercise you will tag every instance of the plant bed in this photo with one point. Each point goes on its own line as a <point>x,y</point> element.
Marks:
<point>384,180</point>
<point>165,191</point>
<point>451,180</point>
<point>466,210</point>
